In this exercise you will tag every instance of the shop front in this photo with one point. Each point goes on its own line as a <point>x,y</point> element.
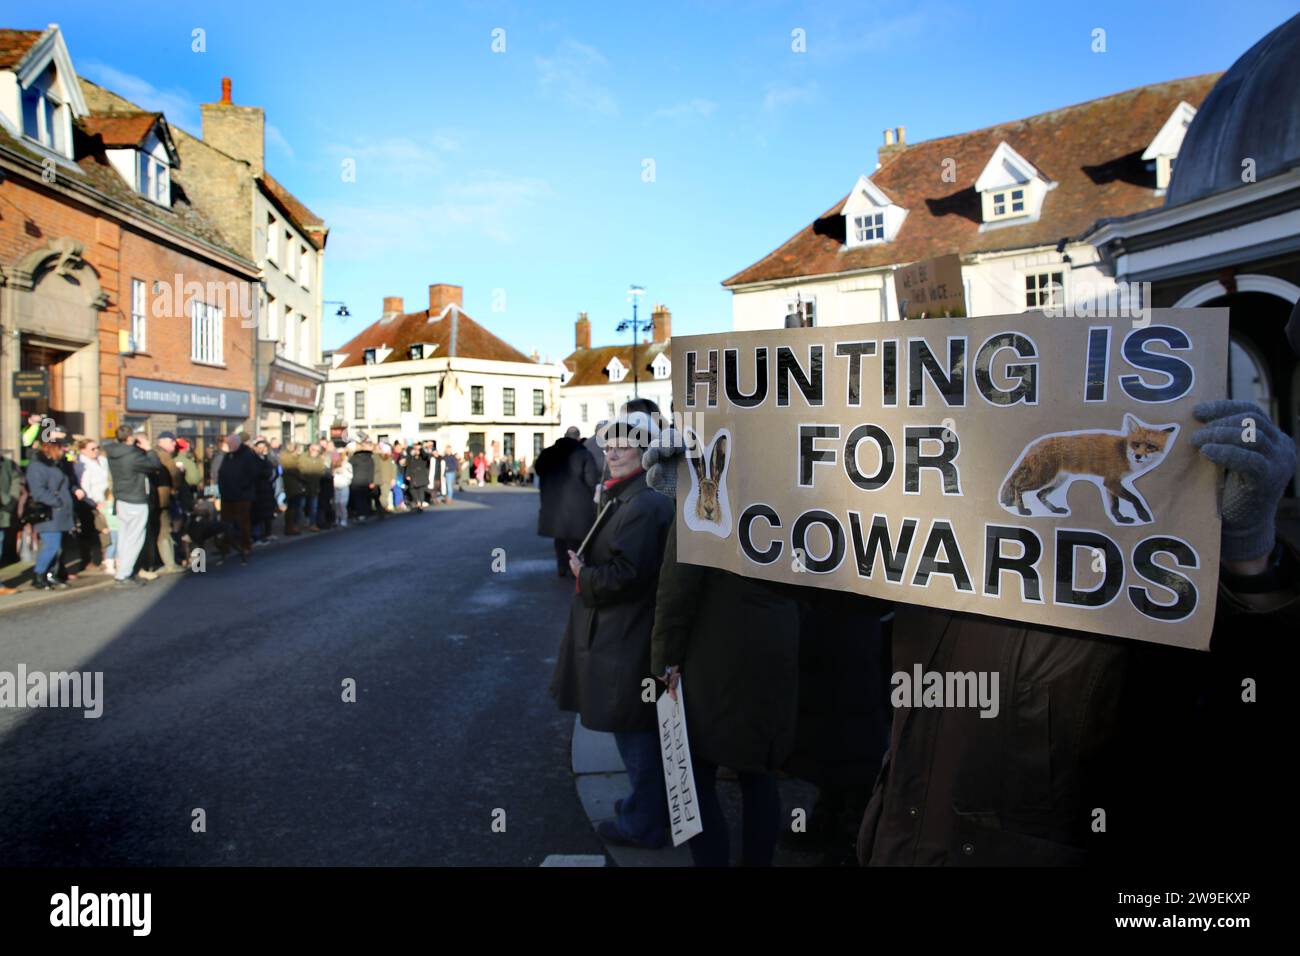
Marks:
<point>198,413</point>
<point>288,406</point>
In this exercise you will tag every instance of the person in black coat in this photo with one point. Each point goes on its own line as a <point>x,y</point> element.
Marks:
<point>567,474</point>
<point>363,482</point>
<point>416,471</point>
<point>47,483</point>
<point>605,655</point>
<point>235,472</point>
<point>264,500</point>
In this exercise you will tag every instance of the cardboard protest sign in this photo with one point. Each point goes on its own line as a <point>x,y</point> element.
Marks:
<point>931,287</point>
<point>1024,467</point>
<point>679,775</point>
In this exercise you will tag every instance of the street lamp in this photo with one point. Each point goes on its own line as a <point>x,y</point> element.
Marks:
<point>634,294</point>
<point>342,312</point>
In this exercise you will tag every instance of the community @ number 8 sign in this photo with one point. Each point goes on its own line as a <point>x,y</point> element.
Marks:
<point>1024,467</point>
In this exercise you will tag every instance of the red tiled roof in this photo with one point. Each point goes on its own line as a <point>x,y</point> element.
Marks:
<point>120,129</point>
<point>14,45</point>
<point>308,223</point>
<point>588,365</point>
<point>1091,150</point>
<point>414,328</point>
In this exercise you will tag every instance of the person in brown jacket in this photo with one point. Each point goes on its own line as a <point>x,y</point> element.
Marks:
<point>294,487</point>
<point>1107,750</point>
<point>165,479</point>
<point>311,469</point>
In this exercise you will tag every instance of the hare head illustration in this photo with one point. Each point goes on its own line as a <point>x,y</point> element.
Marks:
<point>708,473</point>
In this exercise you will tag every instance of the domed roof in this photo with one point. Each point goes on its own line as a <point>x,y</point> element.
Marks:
<point>1253,112</point>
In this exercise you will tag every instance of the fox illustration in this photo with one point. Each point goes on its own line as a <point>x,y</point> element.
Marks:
<point>1109,459</point>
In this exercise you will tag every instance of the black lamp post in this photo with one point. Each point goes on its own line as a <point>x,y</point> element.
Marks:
<point>634,294</point>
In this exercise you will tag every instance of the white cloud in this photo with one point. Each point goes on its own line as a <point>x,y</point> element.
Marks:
<point>692,107</point>
<point>494,205</point>
<point>570,77</point>
<point>779,97</point>
<point>401,157</point>
<point>490,205</point>
<point>179,106</point>
<point>275,138</point>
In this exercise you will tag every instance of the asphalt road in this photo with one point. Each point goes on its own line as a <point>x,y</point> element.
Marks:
<point>223,691</point>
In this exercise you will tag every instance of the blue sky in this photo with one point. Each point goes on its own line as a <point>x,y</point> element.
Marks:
<point>522,175</point>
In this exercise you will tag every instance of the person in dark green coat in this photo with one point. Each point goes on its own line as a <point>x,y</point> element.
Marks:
<point>735,641</point>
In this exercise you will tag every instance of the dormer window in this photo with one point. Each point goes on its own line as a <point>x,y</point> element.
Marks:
<point>616,369</point>
<point>155,179</point>
<point>870,216</point>
<point>661,367</point>
<point>869,227</point>
<point>40,96</point>
<point>369,356</point>
<point>415,352</point>
<point>1163,150</point>
<point>1009,202</point>
<point>1011,188</point>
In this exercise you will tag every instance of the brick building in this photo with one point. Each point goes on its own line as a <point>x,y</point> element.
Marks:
<point>257,217</point>
<point>597,381</point>
<point>112,283</point>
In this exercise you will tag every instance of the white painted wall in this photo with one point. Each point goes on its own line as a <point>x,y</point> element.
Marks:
<point>383,384</point>
<point>286,290</point>
<point>995,284</point>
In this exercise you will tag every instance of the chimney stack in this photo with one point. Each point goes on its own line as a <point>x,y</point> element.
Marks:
<point>442,295</point>
<point>238,131</point>
<point>393,305</point>
<point>582,332</point>
<point>662,321</point>
<point>895,143</point>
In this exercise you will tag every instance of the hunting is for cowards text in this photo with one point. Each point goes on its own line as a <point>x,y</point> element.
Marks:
<point>1024,467</point>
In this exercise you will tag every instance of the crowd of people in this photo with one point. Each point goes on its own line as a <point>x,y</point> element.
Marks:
<point>139,506</point>
<point>1103,750</point>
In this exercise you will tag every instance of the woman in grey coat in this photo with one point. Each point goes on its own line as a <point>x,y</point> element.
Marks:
<point>48,484</point>
<point>604,659</point>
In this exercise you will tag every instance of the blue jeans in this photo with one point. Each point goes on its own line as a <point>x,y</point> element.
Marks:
<point>644,816</point>
<point>449,486</point>
<point>51,545</point>
<point>760,819</point>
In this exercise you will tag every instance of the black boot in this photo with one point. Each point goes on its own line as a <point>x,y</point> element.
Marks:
<point>54,581</point>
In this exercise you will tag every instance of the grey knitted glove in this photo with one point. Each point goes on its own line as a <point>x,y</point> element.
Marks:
<point>1257,473</point>
<point>660,462</point>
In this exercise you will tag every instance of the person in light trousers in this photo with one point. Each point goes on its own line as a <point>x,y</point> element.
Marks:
<point>130,460</point>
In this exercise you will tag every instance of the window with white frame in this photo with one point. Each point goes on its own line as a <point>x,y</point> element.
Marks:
<point>507,401</point>
<point>539,402</point>
<point>139,303</point>
<point>340,400</point>
<point>272,238</point>
<point>1043,289</point>
<point>661,367</point>
<point>358,404</point>
<point>206,325</point>
<point>45,117</point>
<point>800,312</point>
<point>304,345</point>
<point>304,267</point>
<point>288,254</point>
<point>154,179</point>
<point>582,412</point>
<point>869,227</point>
<point>290,327</point>
<point>617,371</point>
<point>1007,203</point>
<point>368,357</point>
